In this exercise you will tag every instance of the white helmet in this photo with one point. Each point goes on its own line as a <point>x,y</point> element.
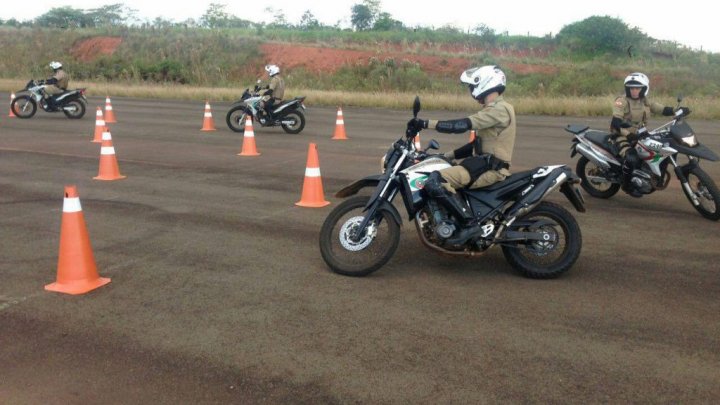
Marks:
<point>637,80</point>
<point>483,81</point>
<point>272,69</point>
<point>55,65</point>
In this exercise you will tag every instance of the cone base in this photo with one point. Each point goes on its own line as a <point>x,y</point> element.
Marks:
<point>208,129</point>
<point>77,287</point>
<point>308,204</point>
<point>248,154</point>
<point>109,178</point>
<point>339,138</point>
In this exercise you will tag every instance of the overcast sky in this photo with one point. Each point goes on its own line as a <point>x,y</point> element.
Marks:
<point>688,22</point>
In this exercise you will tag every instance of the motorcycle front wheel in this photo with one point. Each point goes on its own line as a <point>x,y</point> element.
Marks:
<point>74,109</point>
<point>23,107</point>
<point>704,189</point>
<point>593,179</point>
<point>551,258</point>
<point>235,119</point>
<point>298,119</point>
<point>357,257</point>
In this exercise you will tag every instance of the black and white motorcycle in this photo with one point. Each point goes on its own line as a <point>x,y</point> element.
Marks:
<point>71,102</point>
<point>540,239</point>
<point>600,168</point>
<point>288,114</point>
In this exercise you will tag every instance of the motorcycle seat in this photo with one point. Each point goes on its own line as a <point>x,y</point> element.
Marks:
<point>598,137</point>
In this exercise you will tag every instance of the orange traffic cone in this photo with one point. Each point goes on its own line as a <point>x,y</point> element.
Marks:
<point>418,145</point>
<point>312,192</point>
<point>99,126</point>
<point>76,271</point>
<point>339,126</point>
<point>472,136</point>
<point>208,123</point>
<point>11,114</point>
<point>248,146</point>
<point>108,169</point>
<point>109,114</point>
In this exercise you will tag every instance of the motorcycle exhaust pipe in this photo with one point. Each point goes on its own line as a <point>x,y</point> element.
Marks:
<point>593,156</point>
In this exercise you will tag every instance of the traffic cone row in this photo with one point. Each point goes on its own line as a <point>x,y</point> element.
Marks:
<point>11,114</point>
<point>76,270</point>
<point>339,126</point>
<point>416,141</point>
<point>109,113</point>
<point>312,192</point>
<point>99,126</point>
<point>108,169</point>
<point>208,123</point>
<point>248,146</point>
<point>472,136</point>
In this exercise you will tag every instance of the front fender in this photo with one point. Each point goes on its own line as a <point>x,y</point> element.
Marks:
<point>389,208</point>
<point>352,189</point>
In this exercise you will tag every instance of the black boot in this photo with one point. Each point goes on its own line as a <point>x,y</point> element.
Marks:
<point>449,200</point>
<point>629,165</point>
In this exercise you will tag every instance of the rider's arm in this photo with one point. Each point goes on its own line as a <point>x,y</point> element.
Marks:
<point>457,126</point>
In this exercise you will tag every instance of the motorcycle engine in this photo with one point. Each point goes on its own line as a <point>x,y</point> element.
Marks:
<point>642,181</point>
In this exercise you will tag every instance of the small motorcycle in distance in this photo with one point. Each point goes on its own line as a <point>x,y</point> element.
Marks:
<point>540,239</point>
<point>71,102</point>
<point>288,114</point>
<point>600,167</point>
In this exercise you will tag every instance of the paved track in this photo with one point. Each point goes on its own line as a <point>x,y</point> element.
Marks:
<point>219,293</point>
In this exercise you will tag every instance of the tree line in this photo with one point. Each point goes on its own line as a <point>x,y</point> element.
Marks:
<point>597,36</point>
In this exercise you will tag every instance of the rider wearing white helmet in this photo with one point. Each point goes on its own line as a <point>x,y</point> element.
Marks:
<point>275,90</point>
<point>486,160</point>
<point>630,113</point>
<point>56,84</point>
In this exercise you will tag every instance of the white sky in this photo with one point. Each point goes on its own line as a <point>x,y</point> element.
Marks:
<point>689,22</point>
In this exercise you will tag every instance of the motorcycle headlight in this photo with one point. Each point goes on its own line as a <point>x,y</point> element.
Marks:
<point>689,141</point>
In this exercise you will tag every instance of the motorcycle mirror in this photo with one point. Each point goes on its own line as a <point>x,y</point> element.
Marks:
<point>416,106</point>
<point>433,145</point>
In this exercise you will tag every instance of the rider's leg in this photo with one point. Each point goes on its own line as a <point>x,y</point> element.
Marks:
<point>441,187</point>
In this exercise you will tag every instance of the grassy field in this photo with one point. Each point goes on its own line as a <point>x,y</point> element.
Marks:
<point>702,107</point>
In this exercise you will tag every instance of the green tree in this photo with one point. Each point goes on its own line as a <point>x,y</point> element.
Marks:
<point>598,35</point>
<point>308,20</point>
<point>64,17</point>
<point>110,15</point>
<point>361,17</point>
<point>385,22</point>
<point>215,16</point>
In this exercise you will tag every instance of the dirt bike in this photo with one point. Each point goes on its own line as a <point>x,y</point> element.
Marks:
<point>600,167</point>
<point>287,114</point>
<point>71,102</point>
<point>538,238</point>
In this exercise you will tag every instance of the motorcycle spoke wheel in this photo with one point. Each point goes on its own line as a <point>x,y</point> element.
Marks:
<point>705,191</point>
<point>551,258</point>
<point>235,120</point>
<point>74,109</point>
<point>590,175</point>
<point>23,107</point>
<point>349,255</point>
<point>298,122</point>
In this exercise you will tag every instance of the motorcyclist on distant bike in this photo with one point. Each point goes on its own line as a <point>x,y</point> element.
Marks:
<point>630,113</point>
<point>486,159</point>
<point>273,92</point>
<point>57,84</point>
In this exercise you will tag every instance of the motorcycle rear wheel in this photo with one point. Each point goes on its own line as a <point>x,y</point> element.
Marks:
<point>357,258</point>
<point>544,260</point>
<point>586,170</point>
<point>235,119</point>
<point>77,109</point>
<point>706,191</point>
<point>296,128</point>
<point>23,107</point>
